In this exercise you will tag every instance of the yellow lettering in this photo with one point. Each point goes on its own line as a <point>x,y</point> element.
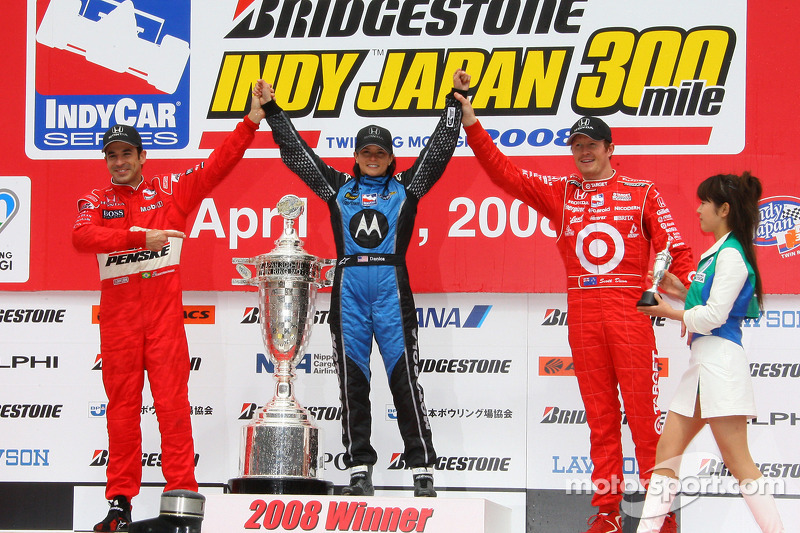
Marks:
<point>653,64</point>
<point>388,83</point>
<point>420,82</point>
<point>227,78</point>
<point>610,51</point>
<point>297,73</point>
<point>546,80</point>
<point>498,80</point>
<point>715,45</point>
<point>271,69</point>
<point>455,60</point>
<point>334,78</point>
<point>249,72</point>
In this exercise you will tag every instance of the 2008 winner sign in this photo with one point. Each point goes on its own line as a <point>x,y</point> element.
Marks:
<point>245,512</point>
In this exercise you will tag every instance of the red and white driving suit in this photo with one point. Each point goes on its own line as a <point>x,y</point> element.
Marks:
<point>141,310</point>
<point>604,233</point>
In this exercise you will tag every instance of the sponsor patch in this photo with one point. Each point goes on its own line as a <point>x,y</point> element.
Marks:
<point>368,200</point>
<point>113,213</point>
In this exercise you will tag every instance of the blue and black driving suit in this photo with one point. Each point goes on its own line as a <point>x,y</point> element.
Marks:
<point>373,222</point>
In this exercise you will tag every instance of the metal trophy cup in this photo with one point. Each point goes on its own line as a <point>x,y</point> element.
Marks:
<point>660,267</point>
<point>279,448</point>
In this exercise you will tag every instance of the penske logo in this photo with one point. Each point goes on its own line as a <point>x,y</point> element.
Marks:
<point>136,257</point>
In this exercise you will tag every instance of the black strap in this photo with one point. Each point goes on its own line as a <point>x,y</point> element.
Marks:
<point>371,259</point>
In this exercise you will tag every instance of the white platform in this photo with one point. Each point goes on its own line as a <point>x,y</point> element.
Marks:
<point>231,513</point>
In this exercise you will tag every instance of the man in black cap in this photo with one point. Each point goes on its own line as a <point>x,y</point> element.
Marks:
<point>605,225</point>
<point>372,214</point>
<point>135,226</point>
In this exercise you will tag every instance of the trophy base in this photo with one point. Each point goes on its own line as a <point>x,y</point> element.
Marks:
<point>278,485</point>
<point>648,299</point>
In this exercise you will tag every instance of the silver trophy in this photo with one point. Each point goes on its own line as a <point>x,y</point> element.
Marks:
<point>280,446</point>
<point>660,267</point>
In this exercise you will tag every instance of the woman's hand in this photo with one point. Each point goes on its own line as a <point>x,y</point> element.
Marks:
<point>670,285</point>
<point>661,309</point>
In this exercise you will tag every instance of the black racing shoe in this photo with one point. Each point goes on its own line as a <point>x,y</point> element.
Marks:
<point>118,517</point>
<point>423,483</point>
<point>360,482</point>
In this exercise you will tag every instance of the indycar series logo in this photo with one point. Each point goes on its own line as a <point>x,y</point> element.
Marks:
<point>135,52</point>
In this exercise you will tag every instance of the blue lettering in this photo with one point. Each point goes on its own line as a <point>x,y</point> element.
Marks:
<point>263,364</point>
<point>454,318</point>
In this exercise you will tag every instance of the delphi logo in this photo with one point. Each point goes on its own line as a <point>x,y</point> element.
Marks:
<point>136,52</point>
<point>9,206</point>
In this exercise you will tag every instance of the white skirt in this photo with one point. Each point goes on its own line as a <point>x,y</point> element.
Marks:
<point>718,368</point>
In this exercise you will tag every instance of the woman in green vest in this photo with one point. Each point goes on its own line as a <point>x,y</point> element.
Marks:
<point>716,389</point>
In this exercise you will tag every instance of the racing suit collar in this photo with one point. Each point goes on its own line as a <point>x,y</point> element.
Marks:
<point>375,180</point>
<point>127,187</point>
<point>588,185</point>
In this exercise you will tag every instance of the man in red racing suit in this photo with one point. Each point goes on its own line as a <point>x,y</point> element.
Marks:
<point>605,225</point>
<point>136,229</point>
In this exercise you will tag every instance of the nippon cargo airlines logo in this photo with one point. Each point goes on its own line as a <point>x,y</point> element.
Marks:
<point>115,62</point>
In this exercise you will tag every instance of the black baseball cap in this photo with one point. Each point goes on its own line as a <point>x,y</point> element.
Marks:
<point>591,127</point>
<point>122,133</point>
<point>376,135</point>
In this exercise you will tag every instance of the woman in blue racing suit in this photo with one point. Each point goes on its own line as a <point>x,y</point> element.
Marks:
<point>372,215</point>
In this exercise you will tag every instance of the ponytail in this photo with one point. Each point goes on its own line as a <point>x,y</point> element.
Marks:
<point>742,194</point>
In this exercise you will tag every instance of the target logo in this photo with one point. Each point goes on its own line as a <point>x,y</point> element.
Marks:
<point>600,248</point>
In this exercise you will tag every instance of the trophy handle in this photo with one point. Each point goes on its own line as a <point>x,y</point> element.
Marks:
<point>244,271</point>
<point>326,277</point>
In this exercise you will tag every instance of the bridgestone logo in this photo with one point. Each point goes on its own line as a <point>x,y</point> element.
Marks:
<point>466,366</point>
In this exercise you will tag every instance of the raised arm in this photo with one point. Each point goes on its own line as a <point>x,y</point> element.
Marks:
<point>323,179</point>
<point>543,193</point>
<point>433,159</point>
